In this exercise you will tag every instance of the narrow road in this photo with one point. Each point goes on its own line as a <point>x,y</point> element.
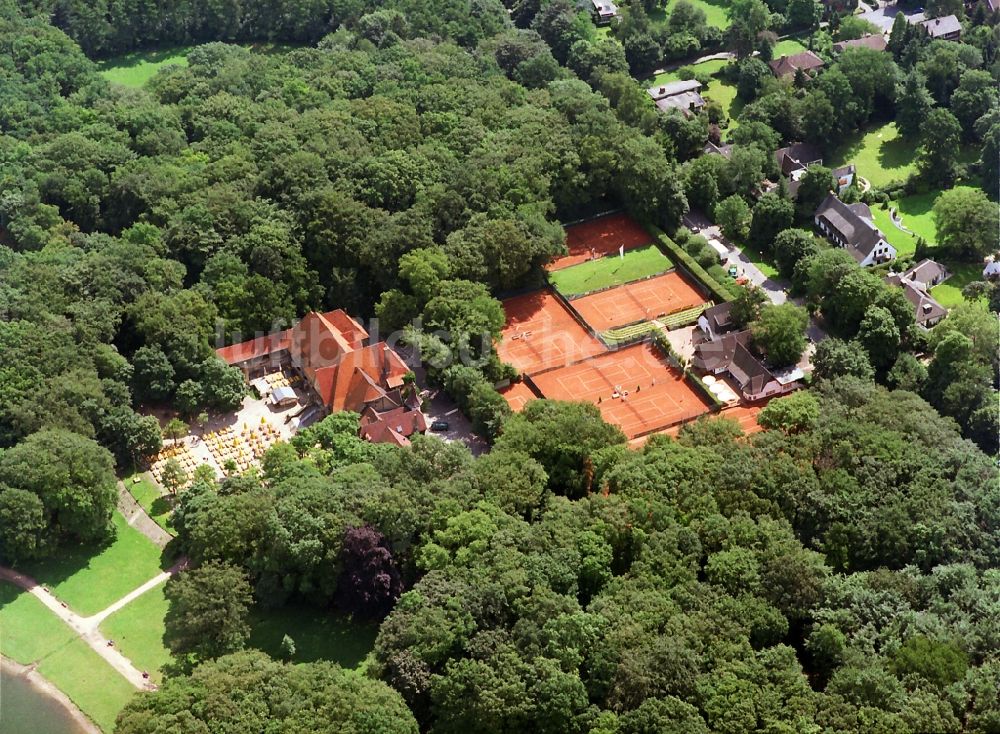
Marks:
<point>87,628</point>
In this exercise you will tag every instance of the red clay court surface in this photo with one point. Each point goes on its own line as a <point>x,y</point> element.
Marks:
<point>603,236</point>
<point>663,397</point>
<point>541,334</point>
<point>517,395</point>
<point>642,300</point>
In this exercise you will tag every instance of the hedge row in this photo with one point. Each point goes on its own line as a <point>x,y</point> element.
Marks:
<point>720,292</point>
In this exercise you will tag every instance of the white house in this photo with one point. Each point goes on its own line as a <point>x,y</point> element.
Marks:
<point>851,226</point>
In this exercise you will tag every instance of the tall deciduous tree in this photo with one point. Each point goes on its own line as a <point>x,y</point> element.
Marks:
<point>966,223</point>
<point>208,611</point>
<point>779,332</point>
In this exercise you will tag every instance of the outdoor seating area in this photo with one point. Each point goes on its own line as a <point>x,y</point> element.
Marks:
<point>245,446</point>
<point>184,456</point>
<point>720,389</point>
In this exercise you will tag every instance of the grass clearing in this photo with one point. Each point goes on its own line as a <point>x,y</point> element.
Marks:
<point>136,68</point>
<point>88,581</point>
<point>763,262</point>
<point>609,271</point>
<point>30,630</point>
<point>152,499</point>
<point>90,683</point>
<point>138,629</point>
<point>318,635</point>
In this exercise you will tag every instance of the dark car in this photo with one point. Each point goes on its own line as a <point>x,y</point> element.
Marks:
<point>439,426</point>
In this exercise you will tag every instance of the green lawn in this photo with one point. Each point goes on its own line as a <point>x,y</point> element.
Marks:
<point>138,628</point>
<point>715,12</point>
<point>152,499</point>
<point>949,293</point>
<point>880,154</point>
<point>90,683</point>
<point>905,243</point>
<point>136,68</point>
<point>34,635</point>
<point>788,47</point>
<point>610,271</point>
<point>318,635</point>
<point>29,630</point>
<point>89,580</point>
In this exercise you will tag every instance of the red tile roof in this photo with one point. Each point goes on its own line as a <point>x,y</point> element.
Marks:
<point>394,426</point>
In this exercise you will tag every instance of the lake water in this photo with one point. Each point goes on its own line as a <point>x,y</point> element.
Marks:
<point>26,710</point>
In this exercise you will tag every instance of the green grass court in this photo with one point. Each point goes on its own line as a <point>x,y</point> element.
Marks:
<point>318,635</point>
<point>610,271</point>
<point>138,628</point>
<point>151,499</point>
<point>89,582</point>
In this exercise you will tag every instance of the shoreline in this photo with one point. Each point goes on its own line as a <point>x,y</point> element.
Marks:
<point>48,689</point>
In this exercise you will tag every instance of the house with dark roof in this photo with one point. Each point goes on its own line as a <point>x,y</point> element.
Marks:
<point>715,320</point>
<point>330,351</point>
<point>916,282</point>
<point>604,11</point>
<point>851,226</point>
<point>793,161</point>
<point>681,95</point>
<point>725,149</point>
<point>945,28</point>
<point>731,355</point>
<point>787,66</point>
<point>874,41</point>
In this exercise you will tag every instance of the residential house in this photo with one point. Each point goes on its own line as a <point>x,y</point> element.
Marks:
<point>916,282</point>
<point>683,95</point>
<point>331,352</point>
<point>725,149</point>
<point>787,66</point>
<point>851,226</point>
<point>793,161</point>
<point>731,355</point>
<point>395,426</point>
<point>715,320</point>
<point>604,11</point>
<point>945,28</point>
<point>874,41</point>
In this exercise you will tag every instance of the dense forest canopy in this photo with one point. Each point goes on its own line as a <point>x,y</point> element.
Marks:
<point>412,160</point>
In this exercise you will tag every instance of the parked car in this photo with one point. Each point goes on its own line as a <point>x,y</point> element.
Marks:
<point>439,426</point>
<point>733,270</point>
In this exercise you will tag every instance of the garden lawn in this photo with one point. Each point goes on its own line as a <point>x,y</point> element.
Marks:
<point>715,12</point>
<point>880,154</point>
<point>89,580</point>
<point>136,68</point>
<point>787,47</point>
<point>318,635</point>
<point>138,629</point>
<point>610,271</point>
<point>949,293</point>
<point>152,499</point>
<point>29,630</point>
<point>90,683</point>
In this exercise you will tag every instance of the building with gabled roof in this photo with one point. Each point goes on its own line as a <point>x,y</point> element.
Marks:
<point>787,66</point>
<point>731,355</point>
<point>716,320</point>
<point>851,226</point>
<point>682,95</point>
<point>945,28</point>
<point>394,426</point>
<point>331,353</point>
<point>604,11</point>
